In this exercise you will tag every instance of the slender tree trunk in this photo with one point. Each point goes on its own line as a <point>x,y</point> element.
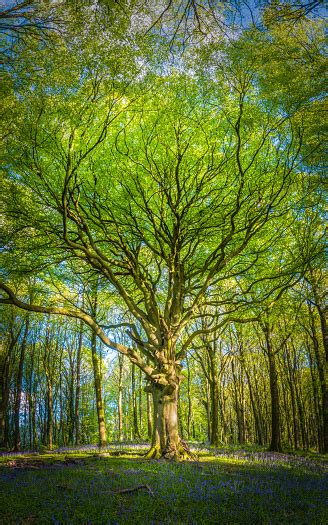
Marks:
<point>140,403</point>
<point>71,403</point>
<point>324,377</point>
<point>316,401</point>
<point>214,389</point>
<point>261,409</point>
<point>149,415</point>
<point>96,365</point>
<point>18,396</point>
<point>4,396</point>
<point>155,439</point>
<point>48,364</point>
<point>31,401</point>
<point>238,406</point>
<point>5,376</point>
<point>61,431</point>
<point>120,397</point>
<point>136,433</point>
<point>322,365</point>
<point>50,412</point>
<point>291,382</point>
<point>78,385</point>
<point>301,413</point>
<point>223,409</point>
<point>98,391</point>
<point>207,403</point>
<point>242,405</point>
<point>190,415</point>
<point>275,444</point>
<point>258,426</point>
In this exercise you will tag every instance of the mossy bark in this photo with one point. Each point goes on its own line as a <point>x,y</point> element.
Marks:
<point>166,442</point>
<point>98,391</point>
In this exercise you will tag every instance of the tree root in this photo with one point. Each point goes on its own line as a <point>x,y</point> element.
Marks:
<point>181,452</point>
<point>153,453</point>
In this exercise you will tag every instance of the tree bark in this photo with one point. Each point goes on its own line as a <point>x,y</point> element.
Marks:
<point>136,433</point>
<point>98,392</point>
<point>140,402</point>
<point>324,376</point>
<point>258,426</point>
<point>322,365</point>
<point>166,441</point>
<point>214,391</point>
<point>275,445</point>
<point>120,397</point>
<point>149,416</point>
<point>18,396</point>
<point>238,406</point>
<point>78,385</point>
<point>190,411</point>
<point>166,433</point>
<point>5,375</point>
<point>291,382</point>
<point>50,411</point>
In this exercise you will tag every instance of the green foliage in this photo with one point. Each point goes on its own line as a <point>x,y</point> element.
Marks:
<point>188,187</point>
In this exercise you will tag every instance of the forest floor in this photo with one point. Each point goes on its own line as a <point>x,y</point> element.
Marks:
<point>223,487</point>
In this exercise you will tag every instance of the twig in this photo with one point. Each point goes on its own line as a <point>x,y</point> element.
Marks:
<point>135,489</point>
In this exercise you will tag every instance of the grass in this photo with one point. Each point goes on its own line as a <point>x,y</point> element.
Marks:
<point>224,487</point>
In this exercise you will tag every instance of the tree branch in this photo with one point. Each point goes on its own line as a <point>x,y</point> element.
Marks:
<point>87,319</point>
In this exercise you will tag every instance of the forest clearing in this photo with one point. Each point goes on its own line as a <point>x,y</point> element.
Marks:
<point>224,486</point>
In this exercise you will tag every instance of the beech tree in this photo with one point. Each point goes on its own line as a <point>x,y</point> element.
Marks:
<point>165,184</point>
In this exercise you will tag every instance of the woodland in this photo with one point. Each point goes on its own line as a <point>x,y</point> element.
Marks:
<point>163,289</point>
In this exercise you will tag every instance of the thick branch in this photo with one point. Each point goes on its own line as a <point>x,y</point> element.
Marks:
<point>87,319</point>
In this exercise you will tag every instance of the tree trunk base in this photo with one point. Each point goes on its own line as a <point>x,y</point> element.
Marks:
<point>181,452</point>
<point>275,448</point>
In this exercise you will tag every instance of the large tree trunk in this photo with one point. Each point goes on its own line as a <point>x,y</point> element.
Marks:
<point>166,441</point>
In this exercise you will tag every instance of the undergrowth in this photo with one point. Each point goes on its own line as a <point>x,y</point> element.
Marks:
<point>223,486</point>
